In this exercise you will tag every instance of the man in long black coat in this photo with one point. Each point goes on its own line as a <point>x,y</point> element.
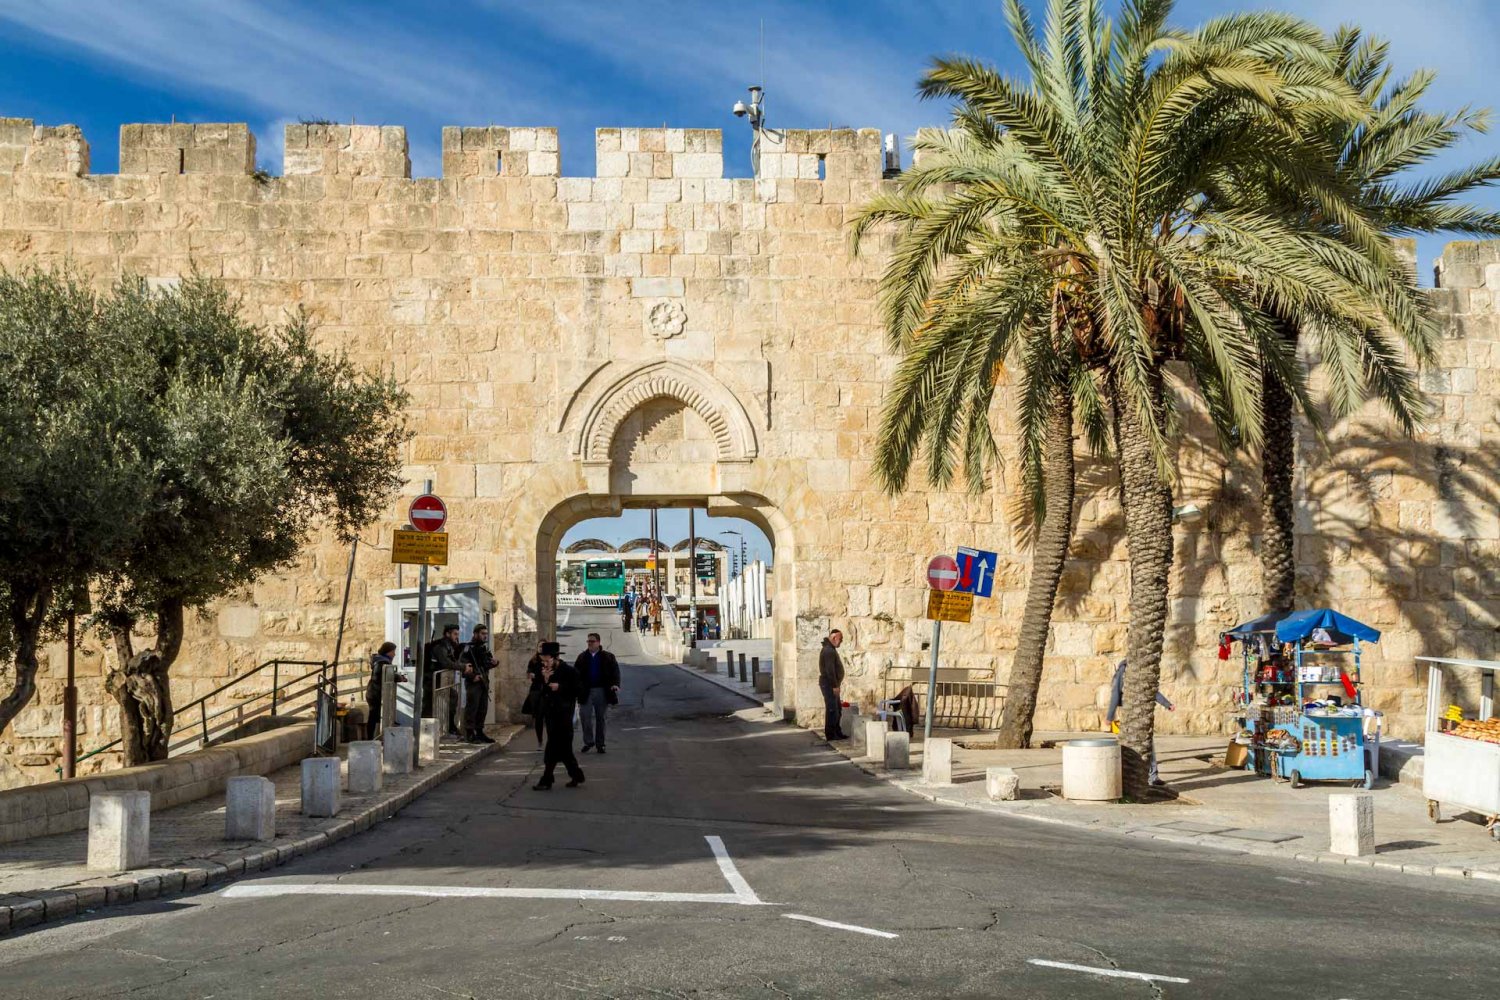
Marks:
<point>830,680</point>
<point>560,691</point>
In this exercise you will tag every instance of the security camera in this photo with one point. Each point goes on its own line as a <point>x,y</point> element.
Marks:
<point>740,110</point>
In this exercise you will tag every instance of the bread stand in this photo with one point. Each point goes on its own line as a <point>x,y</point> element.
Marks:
<point>1459,772</point>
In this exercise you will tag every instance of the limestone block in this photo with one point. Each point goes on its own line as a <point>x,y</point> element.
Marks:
<point>848,720</point>
<point>1001,784</point>
<point>365,773</point>
<point>937,761</point>
<point>398,750</point>
<point>763,682</point>
<point>1091,770</point>
<point>321,779</point>
<point>249,808</point>
<point>429,746</point>
<point>875,733</point>
<point>1351,824</point>
<point>119,831</point>
<point>897,751</point>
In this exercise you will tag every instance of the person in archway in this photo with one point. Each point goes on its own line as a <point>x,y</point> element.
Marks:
<point>830,680</point>
<point>560,691</point>
<point>599,680</point>
<point>626,607</point>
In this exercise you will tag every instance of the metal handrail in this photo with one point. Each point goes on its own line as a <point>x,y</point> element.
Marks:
<point>201,704</point>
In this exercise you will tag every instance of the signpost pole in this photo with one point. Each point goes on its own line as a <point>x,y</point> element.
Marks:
<point>692,577</point>
<point>419,659</point>
<point>937,640</point>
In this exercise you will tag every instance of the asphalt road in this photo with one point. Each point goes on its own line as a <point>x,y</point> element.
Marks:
<point>614,890</point>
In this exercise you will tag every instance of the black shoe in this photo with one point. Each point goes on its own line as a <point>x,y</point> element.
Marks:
<point>541,786</point>
<point>575,782</point>
<point>586,748</point>
<point>1157,783</point>
<point>485,739</point>
<point>601,748</point>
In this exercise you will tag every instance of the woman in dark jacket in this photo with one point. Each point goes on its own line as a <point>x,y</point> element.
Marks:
<point>378,662</point>
<point>533,704</point>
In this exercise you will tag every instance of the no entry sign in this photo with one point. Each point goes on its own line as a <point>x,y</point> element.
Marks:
<point>942,573</point>
<point>428,513</point>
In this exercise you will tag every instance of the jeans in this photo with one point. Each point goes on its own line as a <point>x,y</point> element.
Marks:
<point>832,712</point>
<point>591,713</point>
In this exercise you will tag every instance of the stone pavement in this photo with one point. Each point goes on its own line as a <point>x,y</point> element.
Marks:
<point>45,878</point>
<point>1230,810</point>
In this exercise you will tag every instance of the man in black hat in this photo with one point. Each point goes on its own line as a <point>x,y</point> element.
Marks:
<point>560,692</point>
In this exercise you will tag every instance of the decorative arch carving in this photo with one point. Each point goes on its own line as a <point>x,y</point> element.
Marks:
<point>617,398</point>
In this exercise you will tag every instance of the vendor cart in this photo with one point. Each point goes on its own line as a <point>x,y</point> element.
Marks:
<point>1462,765</point>
<point>1301,714</point>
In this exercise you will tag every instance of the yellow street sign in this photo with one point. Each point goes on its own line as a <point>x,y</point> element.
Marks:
<point>949,605</point>
<point>421,548</point>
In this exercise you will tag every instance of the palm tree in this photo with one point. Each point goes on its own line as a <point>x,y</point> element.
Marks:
<point>1371,156</point>
<point>1065,221</point>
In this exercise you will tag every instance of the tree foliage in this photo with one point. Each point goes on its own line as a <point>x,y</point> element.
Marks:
<point>233,444</point>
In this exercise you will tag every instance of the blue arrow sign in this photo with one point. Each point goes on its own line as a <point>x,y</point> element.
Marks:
<point>976,571</point>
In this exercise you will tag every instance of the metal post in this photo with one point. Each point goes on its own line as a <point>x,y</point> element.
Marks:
<point>419,659</point>
<point>275,684</point>
<point>692,577</point>
<point>937,639</point>
<point>338,644</point>
<point>70,705</point>
<point>744,678</point>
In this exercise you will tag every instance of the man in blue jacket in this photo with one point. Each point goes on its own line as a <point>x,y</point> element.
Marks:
<point>599,681</point>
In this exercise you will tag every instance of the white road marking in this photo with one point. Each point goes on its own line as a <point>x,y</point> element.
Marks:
<point>840,927</point>
<point>268,889</point>
<point>742,895</point>
<point>1112,973</point>
<point>731,873</point>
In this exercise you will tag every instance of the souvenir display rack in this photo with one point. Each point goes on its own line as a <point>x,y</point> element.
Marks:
<point>1300,713</point>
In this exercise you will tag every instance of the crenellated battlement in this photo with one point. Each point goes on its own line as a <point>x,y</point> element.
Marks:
<point>468,153</point>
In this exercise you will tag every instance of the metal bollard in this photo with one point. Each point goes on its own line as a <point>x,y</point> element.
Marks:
<point>744,677</point>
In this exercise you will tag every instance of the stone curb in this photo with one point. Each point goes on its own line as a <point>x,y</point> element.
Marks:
<point>29,909</point>
<point>724,684</point>
<point>1210,841</point>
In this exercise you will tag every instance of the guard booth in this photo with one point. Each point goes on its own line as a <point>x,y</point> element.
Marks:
<point>461,604</point>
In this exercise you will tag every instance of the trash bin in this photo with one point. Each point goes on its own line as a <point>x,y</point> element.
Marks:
<point>1091,770</point>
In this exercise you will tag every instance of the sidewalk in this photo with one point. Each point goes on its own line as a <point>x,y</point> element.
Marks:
<point>1224,809</point>
<point>45,878</point>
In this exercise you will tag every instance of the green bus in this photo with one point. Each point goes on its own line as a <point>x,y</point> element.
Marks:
<point>604,577</point>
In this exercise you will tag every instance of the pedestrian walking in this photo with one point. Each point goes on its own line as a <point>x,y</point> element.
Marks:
<point>477,662</point>
<point>560,690</point>
<point>599,682</point>
<point>656,615</point>
<point>1116,697</point>
<point>625,607</point>
<point>378,662</point>
<point>442,674</point>
<point>532,706</point>
<point>830,680</point>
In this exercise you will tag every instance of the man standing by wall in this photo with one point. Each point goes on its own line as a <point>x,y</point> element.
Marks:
<point>442,675</point>
<point>599,678</point>
<point>830,680</point>
<point>477,661</point>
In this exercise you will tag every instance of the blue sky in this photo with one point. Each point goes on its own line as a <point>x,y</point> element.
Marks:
<point>580,65</point>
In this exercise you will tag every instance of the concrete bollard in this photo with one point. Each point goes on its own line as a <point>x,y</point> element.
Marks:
<point>1351,824</point>
<point>937,761</point>
<point>429,736</point>
<point>119,831</point>
<point>397,758</point>
<point>712,665</point>
<point>897,751</point>
<point>744,674</point>
<point>250,808</point>
<point>875,732</point>
<point>1002,784</point>
<point>321,778</point>
<point>760,678</point>
<point>848,720</point>
<point>365,770</point>
<point>1091,770</point>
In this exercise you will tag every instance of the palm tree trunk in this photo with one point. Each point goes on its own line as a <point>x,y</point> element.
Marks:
<point>1053,537</point>
<point>1278,561</point>
<point>1146,498</point>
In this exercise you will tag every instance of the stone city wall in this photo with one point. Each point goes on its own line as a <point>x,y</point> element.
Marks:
<point>659,332</point>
